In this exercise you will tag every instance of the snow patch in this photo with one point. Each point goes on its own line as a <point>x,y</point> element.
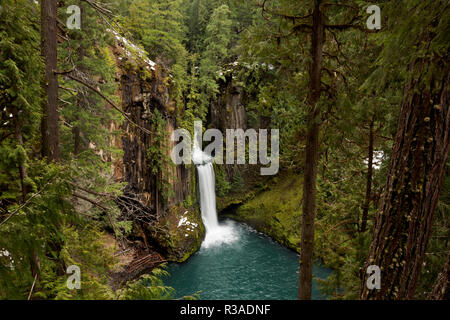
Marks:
<point>184,222</point>
<point>131,46</point>
<point>5,253</point>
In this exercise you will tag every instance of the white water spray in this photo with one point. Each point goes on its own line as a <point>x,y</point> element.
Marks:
<point>216,233</point>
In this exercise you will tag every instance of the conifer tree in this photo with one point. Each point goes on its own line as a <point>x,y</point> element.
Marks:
<point>217,39</point>
<point>319,23</point>
<point>410,197</point>
<point>49,50</point>
<point>157,25</point>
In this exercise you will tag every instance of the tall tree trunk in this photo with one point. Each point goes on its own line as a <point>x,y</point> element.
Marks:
<point>366,205</point>
<point>406,211</point>
<point>19,137</point>
<point>50,131</point>
<point>441,288</point>
<point>76,139</point>
<point>311,157</point>
<point>80,99</point>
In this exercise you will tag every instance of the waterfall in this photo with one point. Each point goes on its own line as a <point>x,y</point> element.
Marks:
<point>208,196</point>
<point>215,233</point>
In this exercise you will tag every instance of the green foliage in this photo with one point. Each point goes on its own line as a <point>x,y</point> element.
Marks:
<point>210,31</point>
<point>148,287</point>
<point>276,211</point>
<point>406,38</point>
<point>437,249</point>
<point>84,249</point>
<point>197,14</point>
<point>39,224</point>
<point>156,152</point>
<point>157,25</point>
<point>213,58</point>
<point>86,127</point>
<point>55,231</point>
<point>213,29</point>
<point>20,64</point>
<point>160,163</point>
<point>20,91</point>
<point>223,186</point>
<point>238,182</point>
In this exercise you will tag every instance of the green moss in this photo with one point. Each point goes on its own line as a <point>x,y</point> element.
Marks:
<point>181,240</point>
<point>234,198</point>
<point>276,212</point>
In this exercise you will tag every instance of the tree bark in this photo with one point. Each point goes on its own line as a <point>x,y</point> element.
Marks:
<point>50,130</point>
<point>406,210</point>
<point>441,288</point>
<point>366,205</point>
<point>77,139</point>
<point>80,101</point>
<point>19,137</point>
<point>311,157</point>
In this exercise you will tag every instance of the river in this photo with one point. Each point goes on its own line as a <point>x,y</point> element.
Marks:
<point>251,266</point>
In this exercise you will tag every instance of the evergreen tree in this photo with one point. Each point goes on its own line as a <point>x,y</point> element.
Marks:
<point>211,68</point>
<point>158,26</point>
<point>50,129</point>
<point>417,165</point>
<point>318,24</point>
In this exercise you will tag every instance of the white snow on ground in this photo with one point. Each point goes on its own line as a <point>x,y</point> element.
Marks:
<point>184,222</point>
<point>246,65</point>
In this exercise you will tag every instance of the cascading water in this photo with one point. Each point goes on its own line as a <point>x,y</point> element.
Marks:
<point>215,233</point>
<point>207,197</point>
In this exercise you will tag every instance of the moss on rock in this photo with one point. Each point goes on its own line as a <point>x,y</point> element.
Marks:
<point>183,233</point>
<point>275,212</point>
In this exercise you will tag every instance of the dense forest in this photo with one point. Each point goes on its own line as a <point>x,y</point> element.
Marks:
<point>92,93</point>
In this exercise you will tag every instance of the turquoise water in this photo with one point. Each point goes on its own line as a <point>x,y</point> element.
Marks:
<point>253,267</point>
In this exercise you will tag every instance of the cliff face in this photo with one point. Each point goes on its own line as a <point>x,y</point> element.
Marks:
<point>228,110</point>
<point>142,97</point>
<point>158,195</point>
